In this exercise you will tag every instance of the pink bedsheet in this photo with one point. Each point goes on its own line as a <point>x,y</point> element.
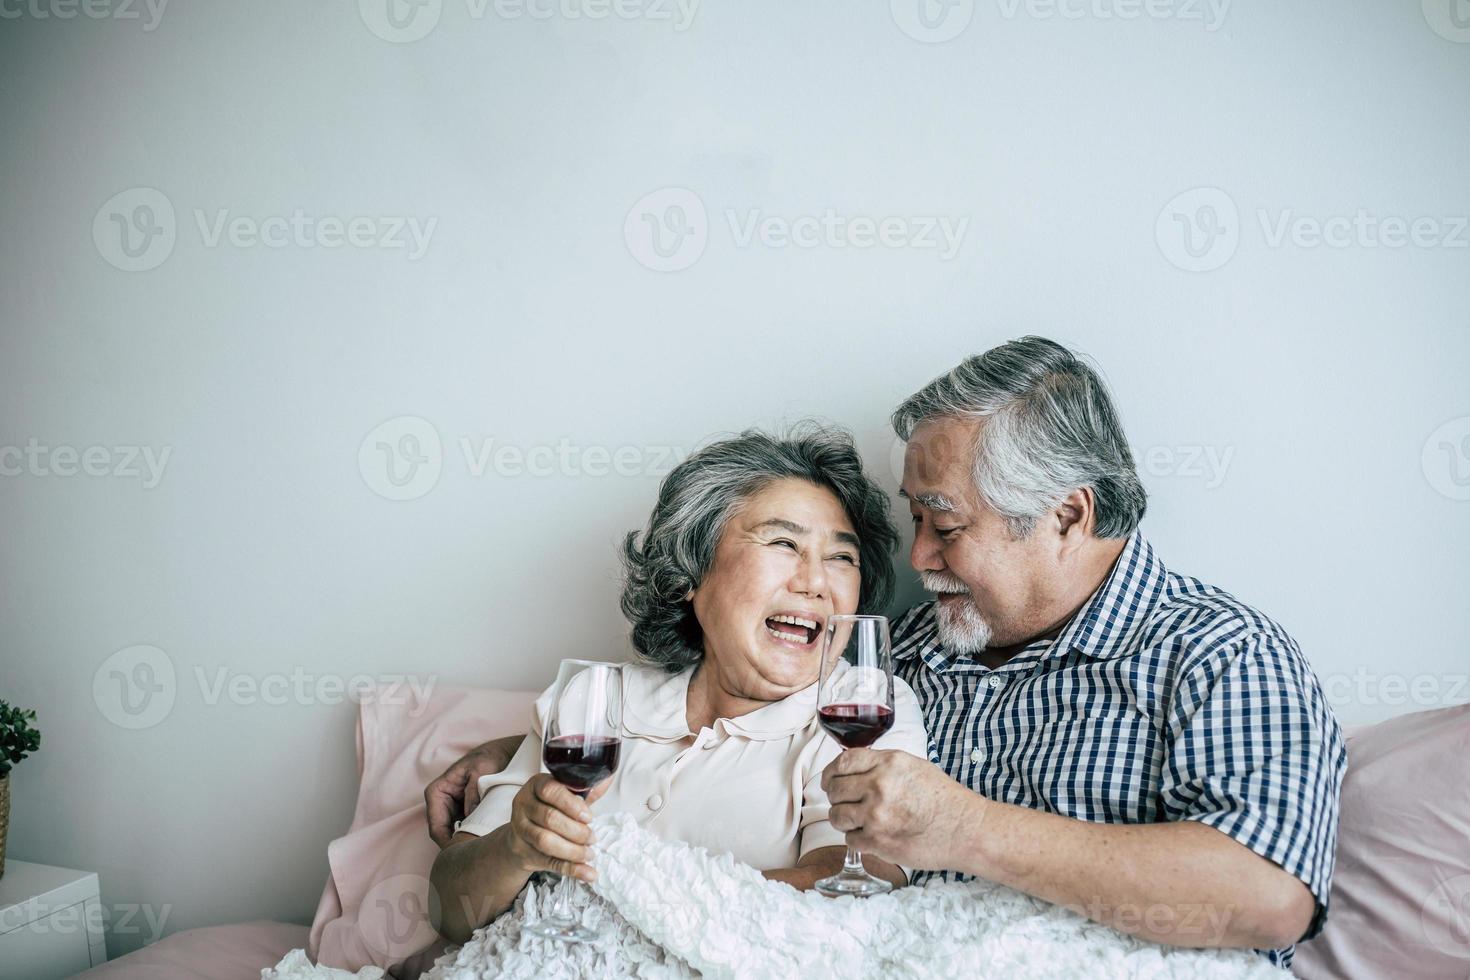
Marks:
<point>235,952</point>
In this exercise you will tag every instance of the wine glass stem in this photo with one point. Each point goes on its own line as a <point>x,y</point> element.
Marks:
<point>562,909</point>
<point>853,864</point>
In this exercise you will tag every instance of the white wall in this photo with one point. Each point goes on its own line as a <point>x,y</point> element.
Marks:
<point>262,551</point>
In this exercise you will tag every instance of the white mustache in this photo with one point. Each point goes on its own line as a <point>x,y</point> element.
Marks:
<point>943,582</point>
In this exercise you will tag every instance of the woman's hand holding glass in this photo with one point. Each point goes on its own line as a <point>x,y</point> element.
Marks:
<point>550,828</point>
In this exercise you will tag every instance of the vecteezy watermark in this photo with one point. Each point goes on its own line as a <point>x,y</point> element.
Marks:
<point>1206,463</point>
<point>667,230</point>
<point>1191,924</point>
<point>1210,13</point>
<point>146,463</point>
<point>1365,687</point>
<point>136,230</point>
<point>1200,230</point>
<point>90,9</point>
<point>137,687</point>
<point>1446,459</point>
<point>932,21</point>
<point>405,21</point>
<point>403,458</point>
<point>92,918</point>
<point>1450,19</point>
<point>1445,917</point>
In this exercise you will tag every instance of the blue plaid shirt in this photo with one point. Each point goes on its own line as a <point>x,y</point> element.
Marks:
<point>1163,699</point>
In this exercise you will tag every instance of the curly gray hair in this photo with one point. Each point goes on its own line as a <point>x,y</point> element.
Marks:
<point>697,499</point>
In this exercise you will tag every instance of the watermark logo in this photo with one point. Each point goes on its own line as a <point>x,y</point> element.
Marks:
<point>135,687</point>
<point>1369,688</point>
<point>1445,917</point>
<point>35,458</point>
<point>932,21</point>
<point>937,232</point>
<point>1450,19</point>
<point>1208,464</point>
<point>1210,13</point>
<point>667,230</point>
<point>394,916</point>
<point>90,9</point>
<point>402,458</point>
<point>400,21</point>
<point>1198,230</point>
<point>1446,459</point>
<point>135,230</point>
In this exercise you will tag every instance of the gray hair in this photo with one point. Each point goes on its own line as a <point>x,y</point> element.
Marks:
<point>697,499</point>
<point>1050,429</point>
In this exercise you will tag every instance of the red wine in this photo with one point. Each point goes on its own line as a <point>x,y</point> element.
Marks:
<point>580,762</point>
<point>856,725</point>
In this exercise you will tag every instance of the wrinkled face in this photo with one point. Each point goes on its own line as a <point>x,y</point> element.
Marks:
<point>787,560</point>
<point>991,588</point>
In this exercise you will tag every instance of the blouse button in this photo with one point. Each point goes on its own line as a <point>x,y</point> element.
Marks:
<point>655,801</point>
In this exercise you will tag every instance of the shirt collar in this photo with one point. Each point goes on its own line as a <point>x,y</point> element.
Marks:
<point>655,706</point>
<point>1105,627</point>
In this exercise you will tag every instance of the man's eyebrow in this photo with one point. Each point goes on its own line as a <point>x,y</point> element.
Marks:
<point>935,501</point>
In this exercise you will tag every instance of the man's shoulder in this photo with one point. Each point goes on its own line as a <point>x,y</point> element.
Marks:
<point>1196,621</point>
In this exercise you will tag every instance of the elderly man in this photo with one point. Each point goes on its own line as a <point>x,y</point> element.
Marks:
<point>1109,735</point>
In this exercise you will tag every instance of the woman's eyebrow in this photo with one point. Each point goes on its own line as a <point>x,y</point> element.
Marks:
<point>781,524</point>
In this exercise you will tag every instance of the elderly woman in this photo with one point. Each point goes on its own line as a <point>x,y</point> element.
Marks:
<point>754,543</point>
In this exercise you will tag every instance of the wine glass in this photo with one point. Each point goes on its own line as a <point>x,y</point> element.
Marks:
<point>580,747</point>
<point>855,706</point>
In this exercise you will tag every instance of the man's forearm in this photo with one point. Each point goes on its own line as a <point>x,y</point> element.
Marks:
<point>1182,883</point>
<point>475,880</point>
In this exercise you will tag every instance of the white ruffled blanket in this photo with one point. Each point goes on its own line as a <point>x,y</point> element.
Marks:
<point>675,911</point>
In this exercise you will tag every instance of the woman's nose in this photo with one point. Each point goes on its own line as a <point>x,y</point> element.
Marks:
<point>811,577</point>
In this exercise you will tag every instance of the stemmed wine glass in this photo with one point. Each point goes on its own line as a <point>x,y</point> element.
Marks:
<point>855,706</point>
<point>583,737</point>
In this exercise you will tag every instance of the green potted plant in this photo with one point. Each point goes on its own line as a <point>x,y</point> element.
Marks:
<point>17,740</point>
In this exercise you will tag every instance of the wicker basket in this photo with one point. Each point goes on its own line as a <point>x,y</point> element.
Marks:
<point>4,817</point>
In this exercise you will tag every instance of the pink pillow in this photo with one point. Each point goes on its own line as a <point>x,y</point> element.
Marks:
<point>374,909</point>
<point>1400,903</point>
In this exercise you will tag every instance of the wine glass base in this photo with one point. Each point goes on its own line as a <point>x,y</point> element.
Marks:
<point>565,930</point>
<point>860,886</point>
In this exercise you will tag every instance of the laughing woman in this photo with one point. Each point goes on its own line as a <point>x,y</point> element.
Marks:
<point>754,543</point>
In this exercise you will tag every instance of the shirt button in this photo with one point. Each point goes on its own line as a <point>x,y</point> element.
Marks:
<point>655,801</point>
<point>976,755</point>
<point>994,680</point>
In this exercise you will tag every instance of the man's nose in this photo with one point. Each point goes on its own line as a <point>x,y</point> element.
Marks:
<point>925,554</point>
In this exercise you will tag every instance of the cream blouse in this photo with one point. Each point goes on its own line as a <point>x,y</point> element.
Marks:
<point>750,786</point>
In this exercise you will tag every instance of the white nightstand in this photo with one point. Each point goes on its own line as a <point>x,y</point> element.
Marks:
<point>50,922</point>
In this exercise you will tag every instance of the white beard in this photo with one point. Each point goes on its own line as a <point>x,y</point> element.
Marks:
<point>962,629</point>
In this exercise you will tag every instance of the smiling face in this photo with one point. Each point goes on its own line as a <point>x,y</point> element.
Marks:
<point>786,561</point>
<point>994,591</point>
